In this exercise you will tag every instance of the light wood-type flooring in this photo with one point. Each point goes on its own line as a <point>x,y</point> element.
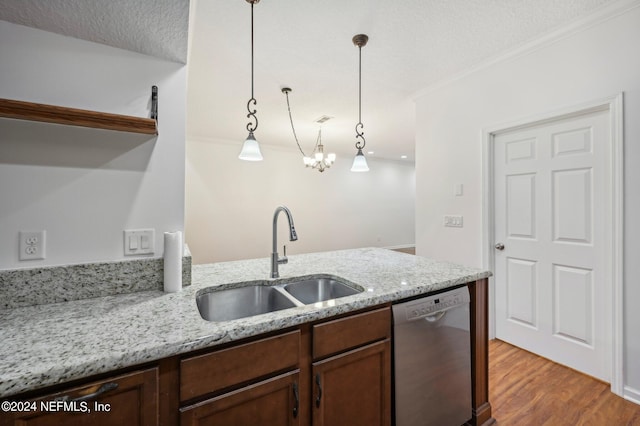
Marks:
<point>525,389</point>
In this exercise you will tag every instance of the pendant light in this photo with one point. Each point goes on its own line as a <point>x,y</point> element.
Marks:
<point>250,148</point>
<point>360,162</point>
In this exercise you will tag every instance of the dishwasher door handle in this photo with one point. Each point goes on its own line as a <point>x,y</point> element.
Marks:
<point>435,317</point>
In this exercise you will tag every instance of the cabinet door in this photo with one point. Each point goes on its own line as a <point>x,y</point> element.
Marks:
<point>272,402</point>
<point>129,399</point>
<point>354,388</point>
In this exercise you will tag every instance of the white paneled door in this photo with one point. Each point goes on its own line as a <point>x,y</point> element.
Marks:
<point>549,234</point>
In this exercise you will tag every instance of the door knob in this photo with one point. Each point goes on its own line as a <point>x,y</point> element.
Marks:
<point>499,246</point>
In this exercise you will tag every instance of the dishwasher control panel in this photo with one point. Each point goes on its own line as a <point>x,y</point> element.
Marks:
<point>439,302</point>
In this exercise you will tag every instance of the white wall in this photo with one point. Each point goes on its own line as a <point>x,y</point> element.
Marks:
<point>593,63</point>
<point>85,186</point>
<point>230,203</point>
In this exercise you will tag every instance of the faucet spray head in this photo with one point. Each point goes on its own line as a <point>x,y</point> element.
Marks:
<point>293,236</point>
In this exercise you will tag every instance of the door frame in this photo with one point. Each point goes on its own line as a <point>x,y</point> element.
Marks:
<point>614,216</point>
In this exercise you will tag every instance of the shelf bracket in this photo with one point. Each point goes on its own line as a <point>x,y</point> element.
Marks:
<point>154,103</point>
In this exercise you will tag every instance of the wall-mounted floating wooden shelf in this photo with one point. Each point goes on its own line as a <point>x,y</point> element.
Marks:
<point>76,117</point>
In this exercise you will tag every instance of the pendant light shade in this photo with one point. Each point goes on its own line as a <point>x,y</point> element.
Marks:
<point>360,162</point>
<point>250,148</point>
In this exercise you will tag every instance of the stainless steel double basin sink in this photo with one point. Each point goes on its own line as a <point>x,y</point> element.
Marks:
<point>261,297</point>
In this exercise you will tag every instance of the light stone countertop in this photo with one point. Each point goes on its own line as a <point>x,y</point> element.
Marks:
<point>49,344</point>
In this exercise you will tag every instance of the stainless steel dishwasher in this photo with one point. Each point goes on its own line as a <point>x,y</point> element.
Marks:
<point>432,360</point>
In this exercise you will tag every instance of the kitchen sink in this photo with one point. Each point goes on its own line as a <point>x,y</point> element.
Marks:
<point>313,290</point>
<point>261,297</point>
<point>241,302</point>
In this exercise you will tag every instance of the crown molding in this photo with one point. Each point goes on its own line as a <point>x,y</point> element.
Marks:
<point>602,14</point>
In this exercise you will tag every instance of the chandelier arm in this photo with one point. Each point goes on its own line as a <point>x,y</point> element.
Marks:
<point>286,93</point>
<point>318,140</point>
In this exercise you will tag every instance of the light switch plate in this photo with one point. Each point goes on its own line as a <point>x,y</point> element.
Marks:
<point>453,221</point>
<point>139,241</point>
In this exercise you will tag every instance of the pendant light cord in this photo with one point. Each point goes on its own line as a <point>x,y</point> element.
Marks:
<point>286,93</point>
<point>359,133</point>
<point>251,127</point>
<point>252,97</point>
<point>360,85</point>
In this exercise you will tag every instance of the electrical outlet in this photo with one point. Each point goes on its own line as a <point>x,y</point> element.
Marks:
<point>453,221</point>
<point>32,245</point>
<point>139,241</point>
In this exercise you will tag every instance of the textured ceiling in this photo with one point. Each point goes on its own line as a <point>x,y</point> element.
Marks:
<point>153,27</point>
<point>307,46</point>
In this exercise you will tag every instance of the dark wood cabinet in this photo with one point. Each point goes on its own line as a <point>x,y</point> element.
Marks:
<point>128,399</point>
<point>272,402</point>
<point>479,311</point>
<point>255,382</point>
<point>354,388</point>
<point>240,364</point>
<point>335,372</point>
<point>351,372</point>
<point>338,335</point>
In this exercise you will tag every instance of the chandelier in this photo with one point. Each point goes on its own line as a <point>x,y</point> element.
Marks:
<point>318,160</point>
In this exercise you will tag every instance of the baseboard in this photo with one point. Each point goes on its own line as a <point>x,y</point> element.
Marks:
<point>482,416</point>
<point>409,248</point>
<point>631,394</point>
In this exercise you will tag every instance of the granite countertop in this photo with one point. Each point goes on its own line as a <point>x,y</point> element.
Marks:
<point>49,344</point>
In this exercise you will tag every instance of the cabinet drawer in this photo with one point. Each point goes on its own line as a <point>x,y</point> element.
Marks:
<point>204,374</point>
<point>130,399</point>
<point>350,332</point>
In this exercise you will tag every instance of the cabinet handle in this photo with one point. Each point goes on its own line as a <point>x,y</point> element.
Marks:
<point>319,397</point>
<point>102,389</point>
<point>297,401</point>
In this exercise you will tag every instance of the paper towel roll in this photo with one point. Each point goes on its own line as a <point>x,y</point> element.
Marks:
<point>172,261</point>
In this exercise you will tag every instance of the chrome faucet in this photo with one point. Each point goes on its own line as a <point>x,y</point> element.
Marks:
<point>275,260</point>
